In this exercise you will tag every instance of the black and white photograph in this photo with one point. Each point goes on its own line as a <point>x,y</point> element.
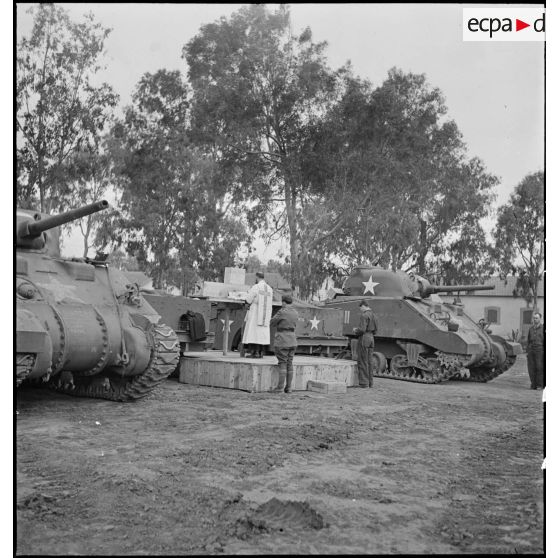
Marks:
<point>280,279</point>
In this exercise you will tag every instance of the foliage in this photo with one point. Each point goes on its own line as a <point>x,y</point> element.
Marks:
<point>282,268</point>
<point>392,179</point>
<point>252,263</point>
<point>519,236</point>
<point>59,110</point>
<point>89,177</point>
<point>465,259</point>
<point>256,90</point>
<point>120,260</point>
<point>176,213</point>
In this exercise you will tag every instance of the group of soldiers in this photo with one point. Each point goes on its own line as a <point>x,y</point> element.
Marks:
<point>256,334</point>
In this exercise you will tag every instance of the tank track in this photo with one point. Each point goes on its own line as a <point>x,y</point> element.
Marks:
<point>163,361</point>
<point>24,365</point>
<point>485,374</point>
<point>415,374</point>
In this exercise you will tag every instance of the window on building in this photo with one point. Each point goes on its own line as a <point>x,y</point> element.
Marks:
<point>526,316</point>
<point>492,314</point>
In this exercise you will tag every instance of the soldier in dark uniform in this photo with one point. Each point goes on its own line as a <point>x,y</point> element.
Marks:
<point>365,333</point>
<point>285,342</point>
<point>535,352</point>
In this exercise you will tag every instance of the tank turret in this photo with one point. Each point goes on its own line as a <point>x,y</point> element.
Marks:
<point>420,337</point>
<point>31,225</point>
<point>377,281</point>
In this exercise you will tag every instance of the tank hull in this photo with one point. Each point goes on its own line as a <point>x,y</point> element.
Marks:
<point>83,329</point>
<point>427,340</point>
<point>319,330</point>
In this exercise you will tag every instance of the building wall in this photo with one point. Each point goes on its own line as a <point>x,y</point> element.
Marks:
<point>508,310</point>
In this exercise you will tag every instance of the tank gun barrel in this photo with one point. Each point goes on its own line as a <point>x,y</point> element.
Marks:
<point>431,289</point>
<point>35,228</point>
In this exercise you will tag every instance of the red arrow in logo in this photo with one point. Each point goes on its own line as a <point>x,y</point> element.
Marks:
<point>519,25</point>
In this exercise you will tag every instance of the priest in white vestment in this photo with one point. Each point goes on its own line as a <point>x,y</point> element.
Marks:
<point>256,327</point>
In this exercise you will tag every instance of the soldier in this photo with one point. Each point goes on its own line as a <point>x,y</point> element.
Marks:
<point>535,352</point>
<point>285,342</point>
<point>256,327</point>
<point>365,333</point>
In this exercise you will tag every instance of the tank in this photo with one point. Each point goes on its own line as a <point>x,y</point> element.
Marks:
<point>82,328</point>
<point>420,338</point>
<point>319,330</point>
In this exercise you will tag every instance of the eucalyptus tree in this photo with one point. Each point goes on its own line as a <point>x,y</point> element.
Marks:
<point>257,90</point>
<point>89,178</point>
<point>395,180</point>
<point>59,109</point>
<point>175,212</point>
<point>520,235</point>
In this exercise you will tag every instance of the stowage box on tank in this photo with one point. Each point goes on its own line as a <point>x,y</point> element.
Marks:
<point>81,326</point>
<point>419,337</point>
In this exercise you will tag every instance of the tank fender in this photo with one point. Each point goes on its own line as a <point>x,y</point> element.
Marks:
<point>511,347</point>
<point>138,345</point>
<point>497,354</point>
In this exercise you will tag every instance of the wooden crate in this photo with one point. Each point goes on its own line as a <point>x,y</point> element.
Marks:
<point>327,387</point>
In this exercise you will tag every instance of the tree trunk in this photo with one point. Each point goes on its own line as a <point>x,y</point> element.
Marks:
<point>85,247</point>
<point>40,183</point>
<point>535,293</point>
<point>423,250</point>
<point>86,236</point>
<point>294,244</point>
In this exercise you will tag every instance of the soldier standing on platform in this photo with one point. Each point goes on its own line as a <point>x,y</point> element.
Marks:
<point>535,352</point>
<point>365,333</point>
<point>285,343</point>
<point>256,327</point>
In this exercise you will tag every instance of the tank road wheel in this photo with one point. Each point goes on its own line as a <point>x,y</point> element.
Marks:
<point>379,364</point>
<point>165,354</point>
<point>24,365</point>
<point>401,370</point>
<point>399,367</point>
<point>435,370</point>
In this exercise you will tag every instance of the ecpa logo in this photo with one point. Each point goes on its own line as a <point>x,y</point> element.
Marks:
<point>503,24</point>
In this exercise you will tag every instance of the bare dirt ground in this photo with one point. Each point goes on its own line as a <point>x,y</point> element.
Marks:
<point>401,468</point>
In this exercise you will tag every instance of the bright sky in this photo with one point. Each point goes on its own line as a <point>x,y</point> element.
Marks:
<point>493,90</point>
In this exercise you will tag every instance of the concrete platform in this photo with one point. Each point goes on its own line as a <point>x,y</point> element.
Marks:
<point>211,368</point>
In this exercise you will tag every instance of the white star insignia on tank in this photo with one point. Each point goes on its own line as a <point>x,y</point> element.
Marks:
<point>315,323</point>
<point>369,285</point>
